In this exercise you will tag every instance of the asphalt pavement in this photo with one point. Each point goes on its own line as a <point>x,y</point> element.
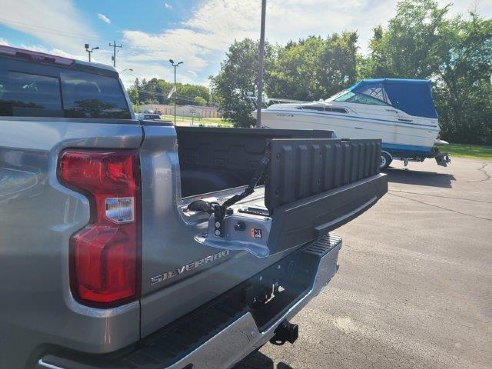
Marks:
<point>414,288</point>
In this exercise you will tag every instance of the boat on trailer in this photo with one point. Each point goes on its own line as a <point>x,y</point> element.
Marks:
<point>400,112</point>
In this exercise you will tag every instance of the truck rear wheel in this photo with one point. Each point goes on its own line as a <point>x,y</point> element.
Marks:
<point>385,160</point>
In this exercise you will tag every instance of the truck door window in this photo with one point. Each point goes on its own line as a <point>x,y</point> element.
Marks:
<point>29,95</point>
<point>93,96</point>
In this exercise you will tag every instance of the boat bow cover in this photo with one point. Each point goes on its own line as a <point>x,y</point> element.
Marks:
<point>413,96</point>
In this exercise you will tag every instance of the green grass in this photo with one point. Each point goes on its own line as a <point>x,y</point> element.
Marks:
<point>197,121</point>
<point>468,151</point>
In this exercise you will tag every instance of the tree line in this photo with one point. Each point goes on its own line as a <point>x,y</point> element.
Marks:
<point>421,41</point>
<point>156,91</point>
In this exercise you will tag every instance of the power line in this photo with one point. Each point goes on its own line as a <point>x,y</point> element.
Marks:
<point>114,51</point>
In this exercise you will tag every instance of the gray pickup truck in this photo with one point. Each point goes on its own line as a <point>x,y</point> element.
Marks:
<point>139,245</point>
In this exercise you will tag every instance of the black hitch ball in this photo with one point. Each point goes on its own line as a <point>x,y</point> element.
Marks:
<point>285,332</point>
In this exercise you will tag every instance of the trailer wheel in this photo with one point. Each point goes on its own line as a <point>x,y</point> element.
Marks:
<point>385,160</point>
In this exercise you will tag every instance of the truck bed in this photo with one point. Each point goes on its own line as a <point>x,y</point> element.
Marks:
<point>310,186</point>
<point>214,159</point>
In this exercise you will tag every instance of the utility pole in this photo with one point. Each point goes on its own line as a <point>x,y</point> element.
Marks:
<point>114,45</point>
<point>90,51</point>
<point>259,100</point>
<point>175,90</point>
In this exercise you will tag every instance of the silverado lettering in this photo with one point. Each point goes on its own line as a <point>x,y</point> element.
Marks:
<point>188,267</point>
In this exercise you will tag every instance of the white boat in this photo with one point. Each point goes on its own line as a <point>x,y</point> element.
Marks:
<point>400,112</point>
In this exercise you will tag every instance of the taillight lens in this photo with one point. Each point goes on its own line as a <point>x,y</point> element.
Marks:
<point>104,256</point>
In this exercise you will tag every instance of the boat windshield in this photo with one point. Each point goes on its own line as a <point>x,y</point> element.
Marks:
<point>356,97</point>
<point>413,96</point>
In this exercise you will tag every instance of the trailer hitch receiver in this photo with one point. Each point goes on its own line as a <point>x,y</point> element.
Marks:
<point>285,332</point>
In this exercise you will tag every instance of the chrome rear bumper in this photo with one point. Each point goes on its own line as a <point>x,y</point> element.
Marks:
<point>240,338</point>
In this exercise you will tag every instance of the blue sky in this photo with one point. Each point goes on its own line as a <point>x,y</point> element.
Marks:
<point>197,32</point>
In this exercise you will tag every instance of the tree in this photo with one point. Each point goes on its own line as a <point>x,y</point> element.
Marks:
<point>188,93</point>
<point>309,69</point>
<point>338,63</point>
<point>464,87</point>
<point>155,91</point>
<point>314,68</point>
<point>296,72</point>
<point>134,92</point>
<point>421,41</point>
<point>236,82</point>
<point>200,101</point>
<point>410,47</point>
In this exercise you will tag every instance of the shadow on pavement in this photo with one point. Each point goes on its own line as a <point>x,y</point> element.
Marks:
<point>257,360</point>
<point>432,179</point>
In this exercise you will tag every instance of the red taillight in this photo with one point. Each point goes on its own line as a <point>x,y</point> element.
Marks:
<point>104,256</point>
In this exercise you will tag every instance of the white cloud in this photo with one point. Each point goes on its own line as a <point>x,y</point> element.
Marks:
<point>168,6</point>
<point>104,18</point>
<point>209,31</point>
<point>4,42</point>
<point>55,22</point>
<point>202,40</point>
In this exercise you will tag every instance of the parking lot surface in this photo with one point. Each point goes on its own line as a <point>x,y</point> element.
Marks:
<point>414,289</point>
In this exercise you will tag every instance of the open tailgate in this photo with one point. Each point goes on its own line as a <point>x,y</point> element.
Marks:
<point>312,186</point>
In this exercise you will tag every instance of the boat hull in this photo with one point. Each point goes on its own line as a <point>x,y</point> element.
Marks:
<point>416,137</point>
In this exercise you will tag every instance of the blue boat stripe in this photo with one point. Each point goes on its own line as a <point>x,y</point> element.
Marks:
<point>409,148</point>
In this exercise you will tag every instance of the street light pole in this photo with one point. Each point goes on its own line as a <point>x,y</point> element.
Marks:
<point>90,51</point>
<point>175,66</point>
<point>259,98</point>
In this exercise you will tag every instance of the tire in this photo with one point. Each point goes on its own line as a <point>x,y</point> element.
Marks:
<point>385,160</point>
